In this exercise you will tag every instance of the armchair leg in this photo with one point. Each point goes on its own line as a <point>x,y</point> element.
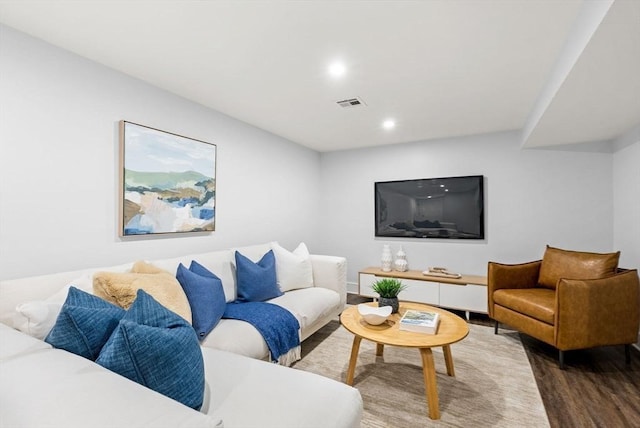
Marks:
<point>627,354</point>
<point>561,359</point>
<point>495,331</point>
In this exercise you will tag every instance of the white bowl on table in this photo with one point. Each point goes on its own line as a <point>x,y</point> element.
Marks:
<point>374,315</point>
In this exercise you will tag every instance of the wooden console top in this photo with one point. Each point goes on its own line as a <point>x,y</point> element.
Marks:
<point>418,275</point>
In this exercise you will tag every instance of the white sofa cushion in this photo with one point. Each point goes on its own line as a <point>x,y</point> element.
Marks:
<point>41,386</point>
<point>249,393</point>
<point>293,268</point>
<point>15,344</point>
<point>309,305</point>
<point>84,283</point>
<point>238,337</point>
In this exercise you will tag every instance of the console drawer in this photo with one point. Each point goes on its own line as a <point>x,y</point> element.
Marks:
<point>365,281</point>
<point>465,297</point>
<point>420,292</point>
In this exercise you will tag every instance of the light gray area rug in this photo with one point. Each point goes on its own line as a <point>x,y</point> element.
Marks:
<point>493,387</point>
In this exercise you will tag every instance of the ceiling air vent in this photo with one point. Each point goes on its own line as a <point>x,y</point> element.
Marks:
<point>351,102</point>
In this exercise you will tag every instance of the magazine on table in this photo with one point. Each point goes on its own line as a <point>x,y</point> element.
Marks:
<point>420,321</point>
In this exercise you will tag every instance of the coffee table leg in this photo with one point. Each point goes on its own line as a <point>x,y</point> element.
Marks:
<point>448,359</point>
<point>429,373</point>
<point>379,349</point>
<point>354,357</point>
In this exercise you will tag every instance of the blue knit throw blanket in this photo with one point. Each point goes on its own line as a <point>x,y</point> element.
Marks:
<point>278,327</point>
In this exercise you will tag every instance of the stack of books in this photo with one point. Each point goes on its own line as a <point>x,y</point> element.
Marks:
<point>420,321</point>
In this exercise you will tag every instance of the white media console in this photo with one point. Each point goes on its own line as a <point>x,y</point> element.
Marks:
<point>467,293</point>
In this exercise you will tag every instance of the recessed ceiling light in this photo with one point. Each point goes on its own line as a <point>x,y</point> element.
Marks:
<point>337,69</point>
<point>389,124</point>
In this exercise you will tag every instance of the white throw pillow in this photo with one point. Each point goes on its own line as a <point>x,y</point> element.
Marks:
<point>36,318</point>
<point>293,269</point>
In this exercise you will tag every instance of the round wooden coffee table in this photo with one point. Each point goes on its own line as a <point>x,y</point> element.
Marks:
<point>452,329</point>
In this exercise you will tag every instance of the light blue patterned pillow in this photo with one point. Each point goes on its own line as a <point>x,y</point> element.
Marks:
<point>257,282</point>
<point>84,324</point>
<point>205,294</point>
<point>158,349</point>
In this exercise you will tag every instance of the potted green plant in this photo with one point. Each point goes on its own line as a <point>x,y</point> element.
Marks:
<point>388,289</point>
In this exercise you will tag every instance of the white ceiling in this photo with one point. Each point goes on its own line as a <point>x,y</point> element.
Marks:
<point>440,68</point>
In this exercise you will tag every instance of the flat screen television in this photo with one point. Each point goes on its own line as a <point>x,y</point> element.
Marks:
<point>442,208</point>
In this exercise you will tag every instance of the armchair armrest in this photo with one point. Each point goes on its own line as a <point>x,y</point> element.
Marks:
<point>523,275</point>
<point>330,272</point>
<point>597,312</point>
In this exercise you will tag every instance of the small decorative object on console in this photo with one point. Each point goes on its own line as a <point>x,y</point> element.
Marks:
<point>387,259</point>
<point>420,321</point>
<point>373,315</point>
<point>440,271</point>
<point>401,264</point>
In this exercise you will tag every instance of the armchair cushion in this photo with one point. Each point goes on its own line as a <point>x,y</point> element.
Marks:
<point>538,303</point>
<point>558,263</point>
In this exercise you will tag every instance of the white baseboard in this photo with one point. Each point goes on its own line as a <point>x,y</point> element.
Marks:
<point>352,288</point>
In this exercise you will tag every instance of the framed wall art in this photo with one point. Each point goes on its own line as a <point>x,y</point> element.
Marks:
<point>167,182</point>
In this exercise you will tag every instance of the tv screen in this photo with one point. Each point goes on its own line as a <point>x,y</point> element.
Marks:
<point>443,208</point>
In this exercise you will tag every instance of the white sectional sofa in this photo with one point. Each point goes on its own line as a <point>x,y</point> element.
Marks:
<point>43,386</point>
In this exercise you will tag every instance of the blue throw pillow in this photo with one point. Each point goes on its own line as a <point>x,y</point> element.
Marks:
<point>158,349</point>
<point>205,294</point>
<point>84,324</point>
<point>256,281</point>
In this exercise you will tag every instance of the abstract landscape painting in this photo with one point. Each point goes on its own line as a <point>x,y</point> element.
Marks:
<point>168,182</point>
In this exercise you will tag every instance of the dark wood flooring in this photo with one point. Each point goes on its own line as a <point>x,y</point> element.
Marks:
<point>596,388</point>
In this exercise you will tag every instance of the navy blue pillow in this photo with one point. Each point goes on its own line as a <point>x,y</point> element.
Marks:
<point>257,281</point>
<point>84,324</point>
<point>205,294</point>
<point>158,349</point>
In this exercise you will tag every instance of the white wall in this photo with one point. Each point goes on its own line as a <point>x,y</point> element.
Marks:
<point>58,169</point>
<point>58,166</point>
<point>532,198</point>
<point>626,198</point>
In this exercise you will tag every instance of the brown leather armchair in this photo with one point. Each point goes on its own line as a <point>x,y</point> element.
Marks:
<point>569,299</point>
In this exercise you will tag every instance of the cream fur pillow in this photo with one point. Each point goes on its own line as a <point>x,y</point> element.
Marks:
<point>144,267</point>
<point>121,288</point>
